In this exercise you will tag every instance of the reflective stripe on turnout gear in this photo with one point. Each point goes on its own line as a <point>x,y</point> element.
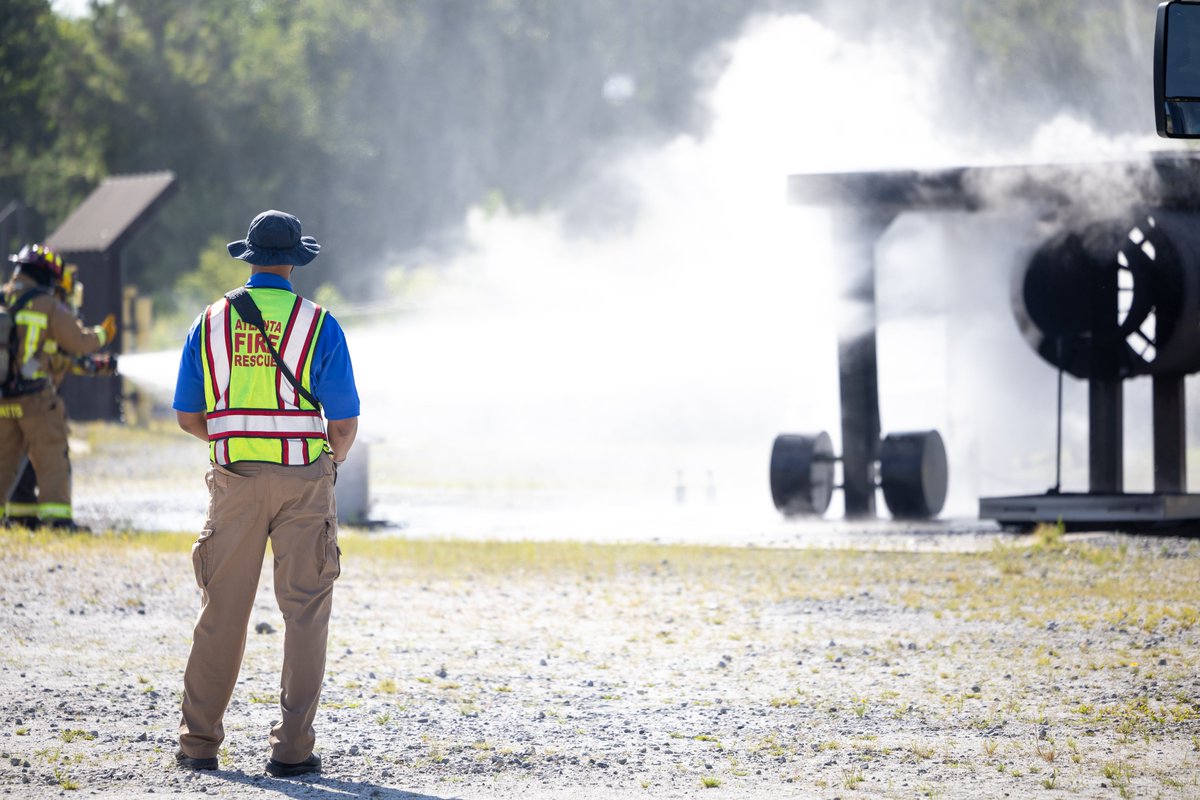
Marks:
<point>20,509</point>
<point>54,511</point>
<point>35,322</point>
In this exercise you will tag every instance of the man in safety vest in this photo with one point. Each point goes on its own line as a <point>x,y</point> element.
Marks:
<point>32,417</point>
<point>258,404</point>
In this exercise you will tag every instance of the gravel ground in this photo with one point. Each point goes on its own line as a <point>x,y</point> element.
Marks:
<point>722,653</point>
<point>1049,667</point>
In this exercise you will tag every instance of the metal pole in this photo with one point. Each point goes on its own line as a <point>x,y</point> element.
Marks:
<point>1058,439</point>
<point>1106,409</point>
<point>856,232</point>
<point>1170,435</point>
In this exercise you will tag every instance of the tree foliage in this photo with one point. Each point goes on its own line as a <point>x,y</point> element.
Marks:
<point>1088,58</point>
<point>380,122</point>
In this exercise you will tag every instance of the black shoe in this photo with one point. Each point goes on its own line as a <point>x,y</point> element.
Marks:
<point>280,769</point>
<point>187,762</point>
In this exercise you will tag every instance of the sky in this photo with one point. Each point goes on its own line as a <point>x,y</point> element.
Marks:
<point>70,8</point>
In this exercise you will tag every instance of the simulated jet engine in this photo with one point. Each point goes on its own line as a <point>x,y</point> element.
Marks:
<point>1104,301</point>
<point>1116,299</point>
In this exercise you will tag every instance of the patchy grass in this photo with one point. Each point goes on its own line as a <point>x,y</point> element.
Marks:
<point>1053,663</point>
<point>852,777</point>
<point>65,780</point>
<point>1059,580</point>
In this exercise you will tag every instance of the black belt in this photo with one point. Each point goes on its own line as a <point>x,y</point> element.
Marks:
<point>23,388</point>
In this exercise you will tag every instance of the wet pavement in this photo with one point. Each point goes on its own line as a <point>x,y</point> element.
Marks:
<point>555,516</point>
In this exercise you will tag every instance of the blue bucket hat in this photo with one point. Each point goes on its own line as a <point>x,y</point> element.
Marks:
<point>274,238</point>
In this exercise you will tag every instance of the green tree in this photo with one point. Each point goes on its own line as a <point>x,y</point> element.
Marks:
<point>379,123</point>
<point>28,42</point>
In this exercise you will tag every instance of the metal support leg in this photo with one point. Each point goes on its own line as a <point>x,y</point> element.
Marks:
<point>1105,437</point>
<point>856,232</point>
<point>1170,436</point>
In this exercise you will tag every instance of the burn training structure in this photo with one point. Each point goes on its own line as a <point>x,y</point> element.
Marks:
<point>93,237</point>
<point>1113,294</point>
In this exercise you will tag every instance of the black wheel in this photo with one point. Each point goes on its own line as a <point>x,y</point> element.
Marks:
<point>802,473</point>
<point>914,474</point>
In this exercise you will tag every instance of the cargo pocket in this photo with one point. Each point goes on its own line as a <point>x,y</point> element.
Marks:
<point>228,485</point>
<point>331,554</point>
<point>202,558</point>
<point>212,498</point>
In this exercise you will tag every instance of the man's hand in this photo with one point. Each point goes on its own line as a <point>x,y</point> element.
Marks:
<point>195,423</point>
<point>107,329</point>
<point>341,437</point>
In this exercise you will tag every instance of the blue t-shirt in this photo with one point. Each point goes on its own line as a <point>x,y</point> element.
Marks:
<point>331,373</point>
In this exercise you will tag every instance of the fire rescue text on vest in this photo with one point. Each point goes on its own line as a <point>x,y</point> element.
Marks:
<point>249,349</point>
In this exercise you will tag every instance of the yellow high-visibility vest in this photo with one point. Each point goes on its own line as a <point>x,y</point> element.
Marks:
<point>253,412</point>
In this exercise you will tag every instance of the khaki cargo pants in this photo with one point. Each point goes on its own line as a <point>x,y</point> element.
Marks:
<point>294,507</point>
<point>36,424</point>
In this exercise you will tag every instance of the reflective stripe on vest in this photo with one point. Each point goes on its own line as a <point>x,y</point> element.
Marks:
<point>253,413</point>
<point>277,424</point>
<point>216,355</point>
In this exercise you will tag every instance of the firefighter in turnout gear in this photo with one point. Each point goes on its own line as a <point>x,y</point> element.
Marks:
<point>32,417</point>
<point>22,506</point>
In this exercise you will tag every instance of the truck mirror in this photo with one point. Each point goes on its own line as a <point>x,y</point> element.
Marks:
<point>1177,70</point>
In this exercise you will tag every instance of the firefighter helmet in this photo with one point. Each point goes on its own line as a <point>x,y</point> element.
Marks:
<point>41,257</point>
<point>65,288</point>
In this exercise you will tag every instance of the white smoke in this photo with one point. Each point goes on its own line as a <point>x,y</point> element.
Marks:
<point>683,346</point>
<point>660,363</point>
<point>1068,138</point>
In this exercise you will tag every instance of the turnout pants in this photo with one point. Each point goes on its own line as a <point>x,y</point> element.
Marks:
<point>294,507</point>
<point>37,424</point>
